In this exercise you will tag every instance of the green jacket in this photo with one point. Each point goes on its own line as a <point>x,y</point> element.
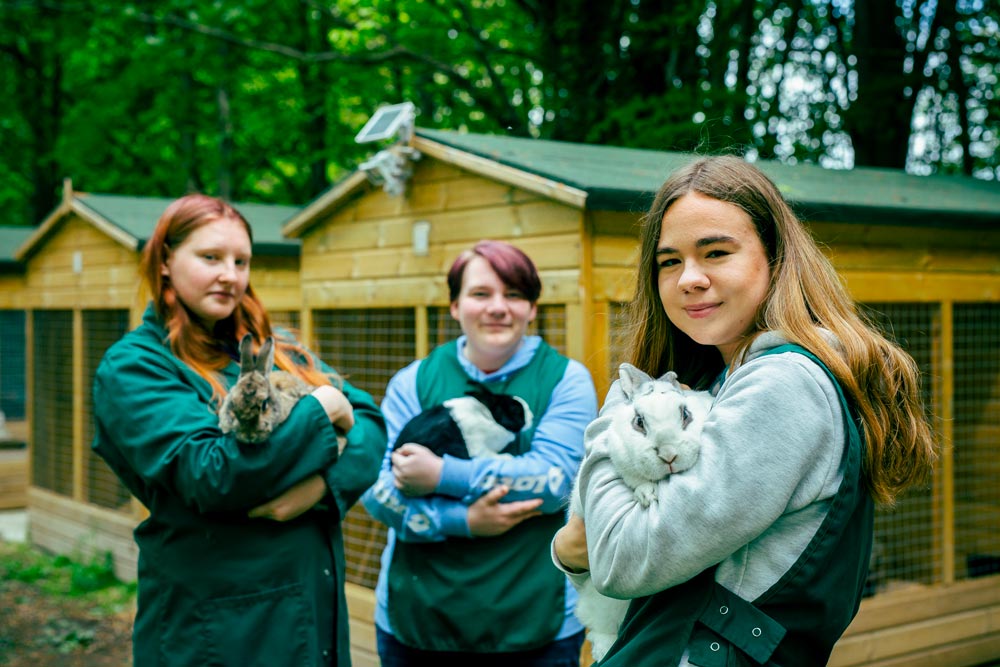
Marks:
<point>215,587</point>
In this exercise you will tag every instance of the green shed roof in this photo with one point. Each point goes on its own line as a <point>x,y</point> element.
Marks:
<point>11,238</point>
<point>625,179</point>
<point>136,216</point>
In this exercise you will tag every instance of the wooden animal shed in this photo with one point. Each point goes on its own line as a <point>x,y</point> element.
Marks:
<point>80,293</point>
<point>921,254</point>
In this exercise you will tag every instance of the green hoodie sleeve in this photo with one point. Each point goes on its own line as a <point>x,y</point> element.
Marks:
<point>154,425</point>
<point>358,466</point>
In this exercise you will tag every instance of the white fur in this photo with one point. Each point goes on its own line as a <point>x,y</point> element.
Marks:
<point>653,434</point>
<point>483,436</point>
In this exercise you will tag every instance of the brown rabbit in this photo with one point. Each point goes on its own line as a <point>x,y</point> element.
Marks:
<point>261,398</point>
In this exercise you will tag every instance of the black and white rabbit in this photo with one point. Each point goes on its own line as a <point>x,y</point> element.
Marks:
<point>480,423</point>
<point>651,435</point>
<point>261,398</point>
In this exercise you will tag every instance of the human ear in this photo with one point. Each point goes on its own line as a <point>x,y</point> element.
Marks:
<point>164,265</point>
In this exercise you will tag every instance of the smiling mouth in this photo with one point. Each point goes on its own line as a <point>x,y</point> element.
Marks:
<point>696,311</point>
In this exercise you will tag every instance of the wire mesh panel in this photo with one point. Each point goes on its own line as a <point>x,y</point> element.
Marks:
<point>52,400</point>
<point>285,319</point>
<point>441,326</point>
<point>101,328</point>
<point>976,436</point>
<point>550,324</point>
<point>367,346</point>
<point>12,365</point>
<point>906,535</point>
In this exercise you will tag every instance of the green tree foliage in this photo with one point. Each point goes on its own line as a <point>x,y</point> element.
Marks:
<point>260,99</point>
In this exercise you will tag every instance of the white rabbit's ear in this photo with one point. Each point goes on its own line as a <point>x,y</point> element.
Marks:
<point>265,358</point>
<point>246,354</point>
<point>631,379</point>
<point>671,377</point>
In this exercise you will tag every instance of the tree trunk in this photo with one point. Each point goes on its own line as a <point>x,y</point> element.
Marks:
<point>880,120</point>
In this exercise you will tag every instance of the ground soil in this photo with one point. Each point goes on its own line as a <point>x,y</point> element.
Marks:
<point>38,629</point>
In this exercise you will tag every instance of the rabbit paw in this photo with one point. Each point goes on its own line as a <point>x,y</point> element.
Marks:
<point>645,494</point>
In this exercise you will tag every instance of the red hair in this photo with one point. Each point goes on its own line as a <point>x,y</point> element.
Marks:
<point>510,263</point>
<point>191,342</point>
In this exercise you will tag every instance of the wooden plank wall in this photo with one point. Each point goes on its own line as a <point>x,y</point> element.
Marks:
<point>878,263</point>
<point>63,526</point>
<point>362,256</point>
<point>925,626</point>
<point>108,275</point>
<point>14,466</point>
<point>12,291</point>
<point>276,282</point>
<point>13,478</point>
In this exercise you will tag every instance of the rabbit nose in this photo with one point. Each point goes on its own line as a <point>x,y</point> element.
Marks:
<point>669,460</point>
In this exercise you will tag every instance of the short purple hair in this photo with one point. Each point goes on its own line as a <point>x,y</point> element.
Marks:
<point>515,269</point>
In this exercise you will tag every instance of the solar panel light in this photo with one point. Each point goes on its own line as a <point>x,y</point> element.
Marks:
<point>387,122</point>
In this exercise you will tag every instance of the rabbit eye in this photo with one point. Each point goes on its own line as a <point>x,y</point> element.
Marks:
<point>263,404</point>
<point>685,416</point>
<point>639,424</point>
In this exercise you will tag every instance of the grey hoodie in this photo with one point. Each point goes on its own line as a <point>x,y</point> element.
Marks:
<point>772,459</point>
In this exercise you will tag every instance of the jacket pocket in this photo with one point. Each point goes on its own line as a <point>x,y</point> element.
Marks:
<point>271,627</point>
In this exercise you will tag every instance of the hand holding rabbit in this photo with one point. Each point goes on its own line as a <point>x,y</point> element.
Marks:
<point>653,434</point>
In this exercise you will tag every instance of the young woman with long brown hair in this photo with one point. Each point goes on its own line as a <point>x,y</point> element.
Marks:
<point>760,551</point>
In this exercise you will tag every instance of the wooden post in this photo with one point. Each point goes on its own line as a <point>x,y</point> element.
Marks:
<point>576,331</point>
<point>79,469</point>
<point>29,386</point>
<point>306,327</point>
<point>580,341</point>
<point>942,392</point>
<point>421,332</point>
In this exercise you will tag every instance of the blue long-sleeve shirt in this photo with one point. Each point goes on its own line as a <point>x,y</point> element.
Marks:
<point>546,471</point>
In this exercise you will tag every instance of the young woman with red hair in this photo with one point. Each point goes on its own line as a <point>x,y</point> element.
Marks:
<point>241,558</point>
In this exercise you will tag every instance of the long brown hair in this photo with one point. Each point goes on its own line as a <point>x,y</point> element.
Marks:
<point>805,295</point>
<point>207,352</point>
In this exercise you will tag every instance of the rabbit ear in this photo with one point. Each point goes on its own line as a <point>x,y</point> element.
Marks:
<point>265,358</point>
<point>671,377</point>
<point>631,379</point>
<point>246,354</point>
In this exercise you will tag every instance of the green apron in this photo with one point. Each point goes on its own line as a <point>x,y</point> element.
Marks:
<point>794,623</point>
<point>483,594</point>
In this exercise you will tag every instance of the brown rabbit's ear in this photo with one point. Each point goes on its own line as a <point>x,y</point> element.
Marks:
<point>265,358</point>
<point>246,354</point>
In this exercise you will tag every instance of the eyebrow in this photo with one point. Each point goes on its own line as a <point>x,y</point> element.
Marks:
<point>700,243</point>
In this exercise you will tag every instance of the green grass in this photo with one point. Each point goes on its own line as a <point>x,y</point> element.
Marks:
<point>77,577</point>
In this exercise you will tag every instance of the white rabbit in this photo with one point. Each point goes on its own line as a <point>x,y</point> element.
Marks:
<point>651,435</point>
<point>261,398</point>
